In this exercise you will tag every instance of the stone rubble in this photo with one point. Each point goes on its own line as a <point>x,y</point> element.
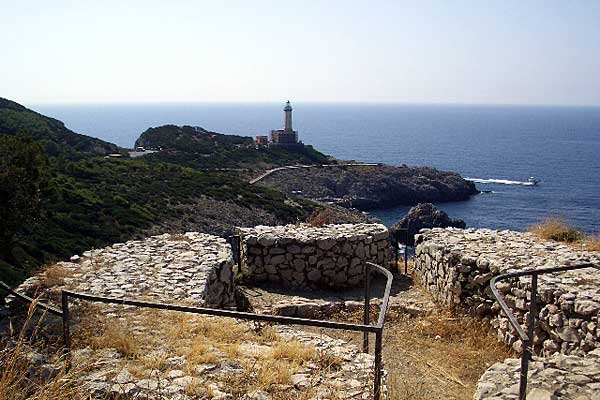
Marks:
<point>195,267</point>
<point>456,267</point>
<point>110,376</point>
<point>556,377</point>
<point>307,256</point>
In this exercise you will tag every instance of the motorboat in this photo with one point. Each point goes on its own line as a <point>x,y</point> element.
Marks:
<point>533,181</point>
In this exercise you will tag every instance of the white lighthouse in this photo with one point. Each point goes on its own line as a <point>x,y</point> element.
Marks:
<point>288,117</point>
<point>286,136</point>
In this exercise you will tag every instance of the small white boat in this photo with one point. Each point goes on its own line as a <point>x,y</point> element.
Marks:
<point>533,181</point>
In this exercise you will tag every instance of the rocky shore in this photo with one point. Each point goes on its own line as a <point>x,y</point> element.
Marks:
<point>369,187</point>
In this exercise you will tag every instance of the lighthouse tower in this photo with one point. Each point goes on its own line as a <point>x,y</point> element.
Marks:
<point>286,136</point>
<point>288,117</point>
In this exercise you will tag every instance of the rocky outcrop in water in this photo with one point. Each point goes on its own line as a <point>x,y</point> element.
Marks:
<point>424,215</point>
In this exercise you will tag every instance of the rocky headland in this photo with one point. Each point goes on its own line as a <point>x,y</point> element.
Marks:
<point>372,186</point>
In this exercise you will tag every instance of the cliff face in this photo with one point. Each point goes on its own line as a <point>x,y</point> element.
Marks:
<point>371,187</point>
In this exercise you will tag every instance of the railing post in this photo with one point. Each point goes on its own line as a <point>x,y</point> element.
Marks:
<point>406,248</point>
<point>367,311</point>
<point>528,346</point>
<point>66,330</point>
<point>378,367</point>
<point>235,241</point>
<point>396,249</point>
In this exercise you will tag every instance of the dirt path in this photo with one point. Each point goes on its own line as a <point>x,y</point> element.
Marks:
<point>428,354</point>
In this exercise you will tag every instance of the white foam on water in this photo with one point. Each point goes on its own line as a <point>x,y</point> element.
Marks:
<point>500,181</point>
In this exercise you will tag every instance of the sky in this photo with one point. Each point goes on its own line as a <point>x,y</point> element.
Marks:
<point>468,52</point>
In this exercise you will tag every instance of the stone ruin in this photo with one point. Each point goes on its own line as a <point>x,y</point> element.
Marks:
<point>194,267</point>
<point>456,266</point>
<point>304,256</point>
<point>198,269</point>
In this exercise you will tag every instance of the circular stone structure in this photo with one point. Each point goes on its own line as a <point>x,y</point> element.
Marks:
<point>307,256</point>
<point>195,268</point>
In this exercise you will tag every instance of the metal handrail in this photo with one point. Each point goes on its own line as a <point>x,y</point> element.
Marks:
<point>527,338</point>
<point>27,299</point>
<point>366,327</point>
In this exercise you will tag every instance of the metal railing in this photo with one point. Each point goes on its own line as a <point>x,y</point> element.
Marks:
<point>396,246</point>
<point>27,299</point>
<point>366,327</point>
<point>527,338</point>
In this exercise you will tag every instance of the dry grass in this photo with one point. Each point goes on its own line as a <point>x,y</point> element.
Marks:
<point>117,336</point>
<point>557,229</point>
<point>592,243</point>
<point>54,276</point>
<point>265,361</point>
<point>19,382</point>
<point>440,356</point>
<point>294,352</point>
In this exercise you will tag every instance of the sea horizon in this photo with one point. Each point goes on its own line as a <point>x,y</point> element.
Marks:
<point>556,144</point>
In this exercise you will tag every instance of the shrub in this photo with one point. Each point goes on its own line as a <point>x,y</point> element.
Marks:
<point>556,229</point>
<point>593,243</point>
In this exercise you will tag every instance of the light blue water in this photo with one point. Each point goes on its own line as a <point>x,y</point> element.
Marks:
<point>558,145</point>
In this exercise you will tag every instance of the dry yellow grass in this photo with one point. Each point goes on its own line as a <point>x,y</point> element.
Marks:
<point>204,340</point>
<point>592,243</point>
<point>117,336</point>
<point>294,352</point>
<point>54,276</point>
<point>440,356</point>
<point>555,228</point>
<point>16,381</point>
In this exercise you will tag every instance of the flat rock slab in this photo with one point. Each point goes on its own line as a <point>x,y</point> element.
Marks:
<point>556,377</point>
<point>194,268</point>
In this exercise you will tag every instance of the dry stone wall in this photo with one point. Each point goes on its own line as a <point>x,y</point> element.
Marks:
<point>194,267</point>
<point>307,256</point>
<point>456,266</point>
<point>556,377</point>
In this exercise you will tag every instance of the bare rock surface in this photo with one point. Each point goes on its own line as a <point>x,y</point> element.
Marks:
<point>193,267</point>
<point>555,377</point>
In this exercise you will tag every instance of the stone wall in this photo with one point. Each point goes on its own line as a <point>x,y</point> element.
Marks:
<point>307,256</point>
<point>556,377</point>
<point>456,266</point>
<point>196,268</point>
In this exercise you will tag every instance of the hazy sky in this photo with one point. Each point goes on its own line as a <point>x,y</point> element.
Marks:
<point>519,52</point>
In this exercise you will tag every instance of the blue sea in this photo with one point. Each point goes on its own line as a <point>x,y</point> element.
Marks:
<point>560,146</point>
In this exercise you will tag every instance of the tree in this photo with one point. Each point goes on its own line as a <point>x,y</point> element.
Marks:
<point>23,177</point>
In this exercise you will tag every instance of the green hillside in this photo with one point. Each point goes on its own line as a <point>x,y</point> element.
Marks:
<point>91,201</point>
<point>52,134</point>
<point>198,148</point>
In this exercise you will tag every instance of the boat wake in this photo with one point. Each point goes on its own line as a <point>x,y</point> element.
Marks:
<point>501,181</point>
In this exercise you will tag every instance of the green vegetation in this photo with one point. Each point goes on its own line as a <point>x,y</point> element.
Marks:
<point>57,140</point>
<point>198,148</point>
<point>23,176</point>
<point>92,201</point>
